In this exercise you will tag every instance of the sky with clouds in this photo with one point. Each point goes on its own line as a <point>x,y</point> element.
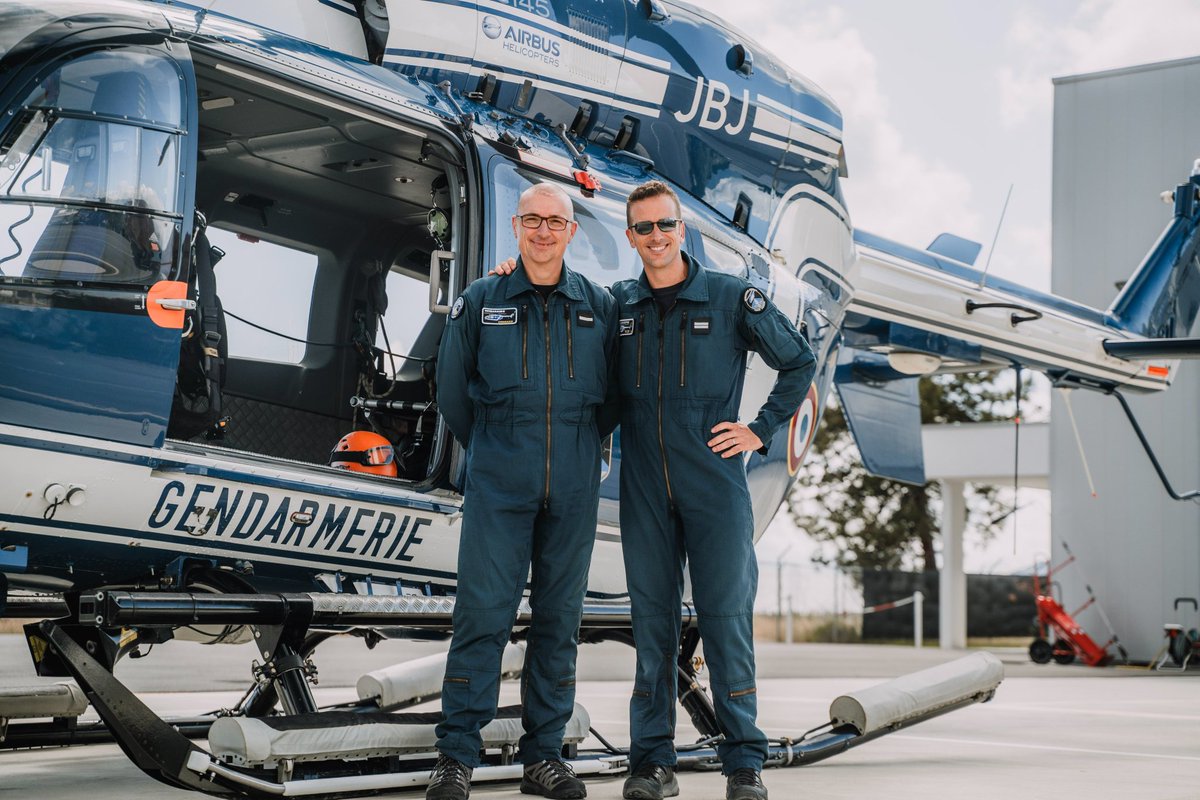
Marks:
<point>949,103</point>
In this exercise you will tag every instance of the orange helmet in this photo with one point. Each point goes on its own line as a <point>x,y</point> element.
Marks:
<point>364,451</point>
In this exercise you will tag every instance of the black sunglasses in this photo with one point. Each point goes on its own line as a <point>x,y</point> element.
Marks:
<point>665,225</point>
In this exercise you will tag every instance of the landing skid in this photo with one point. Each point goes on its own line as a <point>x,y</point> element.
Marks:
<point>286,758</point>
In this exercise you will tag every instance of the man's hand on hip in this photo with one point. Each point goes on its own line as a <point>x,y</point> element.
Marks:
<point>733,438</point>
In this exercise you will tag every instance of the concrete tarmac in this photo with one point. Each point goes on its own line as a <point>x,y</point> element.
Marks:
<point>1051,729</point>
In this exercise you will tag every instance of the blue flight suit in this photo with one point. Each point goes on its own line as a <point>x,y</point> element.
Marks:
<point>681,374</point>
<point>520,380</point>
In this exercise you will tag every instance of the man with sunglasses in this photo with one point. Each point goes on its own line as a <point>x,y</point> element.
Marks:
<point>684,336</point>
<point>685,333</point>
<point>522,371</point>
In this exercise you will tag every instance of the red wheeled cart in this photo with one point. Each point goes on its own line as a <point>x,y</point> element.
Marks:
<point>1070,641</point>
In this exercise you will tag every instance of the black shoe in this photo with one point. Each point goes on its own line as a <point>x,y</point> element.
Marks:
<point>745,784</point>
<point>552,779</point>
<point>451,780</point>
<point>651,782</point>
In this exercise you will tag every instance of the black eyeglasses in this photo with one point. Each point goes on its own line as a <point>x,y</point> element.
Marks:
<point>665,225</point>
<point>534,221</point>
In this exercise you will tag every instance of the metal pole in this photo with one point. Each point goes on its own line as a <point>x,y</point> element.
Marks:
<point>790,622</point>
<point>779,593</point>
<point>952,599</point>
<point>837,611</point>
<point>918,619</point>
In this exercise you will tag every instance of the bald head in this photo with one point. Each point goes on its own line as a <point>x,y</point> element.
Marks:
<point>547,192</point>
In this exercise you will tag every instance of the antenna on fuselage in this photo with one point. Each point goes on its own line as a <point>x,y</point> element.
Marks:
<point>201,13</point>
<point>992,249</point>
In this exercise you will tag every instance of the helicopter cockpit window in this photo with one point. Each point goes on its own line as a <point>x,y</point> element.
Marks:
<point>599,249</point>
<point>89,173</point>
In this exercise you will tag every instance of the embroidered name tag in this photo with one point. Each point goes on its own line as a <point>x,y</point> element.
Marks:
<point>626,327</point>
<point>500,316</point>
<point>701,326</point>
<point>585,319</point>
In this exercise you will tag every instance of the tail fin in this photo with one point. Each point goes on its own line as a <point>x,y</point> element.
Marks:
<point>1162,298</point>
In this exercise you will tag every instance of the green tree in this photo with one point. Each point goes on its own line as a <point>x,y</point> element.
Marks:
<point>876,523</point>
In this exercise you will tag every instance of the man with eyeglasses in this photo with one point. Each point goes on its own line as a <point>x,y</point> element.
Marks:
<point>685,333</point>
<point>522,371</point>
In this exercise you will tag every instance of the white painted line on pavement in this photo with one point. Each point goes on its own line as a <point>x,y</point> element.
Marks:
<point>1053,747</point>
<point>1043,708</point>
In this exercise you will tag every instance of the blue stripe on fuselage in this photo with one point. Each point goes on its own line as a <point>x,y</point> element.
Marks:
<point>232,548</point>
<point>339,7</point>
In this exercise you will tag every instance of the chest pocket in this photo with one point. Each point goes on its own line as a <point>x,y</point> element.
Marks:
<point>709,356</point>
<point>584,366</point>
<point>631,347</point>
<point>504,348</point>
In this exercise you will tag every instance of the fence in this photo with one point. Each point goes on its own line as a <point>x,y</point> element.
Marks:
<point>807,602</point>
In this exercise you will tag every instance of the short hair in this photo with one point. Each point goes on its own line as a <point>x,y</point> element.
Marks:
<point>551,189</point>
<point>646,191</point>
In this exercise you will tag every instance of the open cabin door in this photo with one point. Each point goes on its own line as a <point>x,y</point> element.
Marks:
<point>96,163</point>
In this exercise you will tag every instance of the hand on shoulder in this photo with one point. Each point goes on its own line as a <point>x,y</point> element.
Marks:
<point>506,267</point>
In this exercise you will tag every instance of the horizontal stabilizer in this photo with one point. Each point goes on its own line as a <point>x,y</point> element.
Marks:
<point>956,247</point>
<point>911,696</point>
<point>1152,348</point>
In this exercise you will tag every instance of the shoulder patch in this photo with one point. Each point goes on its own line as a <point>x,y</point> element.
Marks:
<point>754,300</point>
<point>457,309</point>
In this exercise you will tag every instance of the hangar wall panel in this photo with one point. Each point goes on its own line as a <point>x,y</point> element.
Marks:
<point>1120,139</point>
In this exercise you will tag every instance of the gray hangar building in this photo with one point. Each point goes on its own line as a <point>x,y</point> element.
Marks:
<point>1121,138</point>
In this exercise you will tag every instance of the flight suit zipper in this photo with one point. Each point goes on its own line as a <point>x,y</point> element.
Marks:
<point>683,349</point>
<point>549,394</point>
<point>641,327</point>
<point>524,342</point>
<point>570,342</point>
<point>662,447</point>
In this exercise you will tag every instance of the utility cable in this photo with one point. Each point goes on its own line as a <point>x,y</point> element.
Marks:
<point>1016,456</point>
<point>1087,470</point>
<point>319,344</point>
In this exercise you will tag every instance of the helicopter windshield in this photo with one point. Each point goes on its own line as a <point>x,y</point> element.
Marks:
<point>90,176</point>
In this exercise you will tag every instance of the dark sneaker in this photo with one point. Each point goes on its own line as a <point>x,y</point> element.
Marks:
<point>552,779</point>
<point>745,784</point>
<point>651,782</point>
<point>451,780</point>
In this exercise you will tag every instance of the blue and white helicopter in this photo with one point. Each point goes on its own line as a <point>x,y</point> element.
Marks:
<point>217,216</point>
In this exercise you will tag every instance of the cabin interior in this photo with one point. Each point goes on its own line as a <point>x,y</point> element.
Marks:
<point>327,219</point>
